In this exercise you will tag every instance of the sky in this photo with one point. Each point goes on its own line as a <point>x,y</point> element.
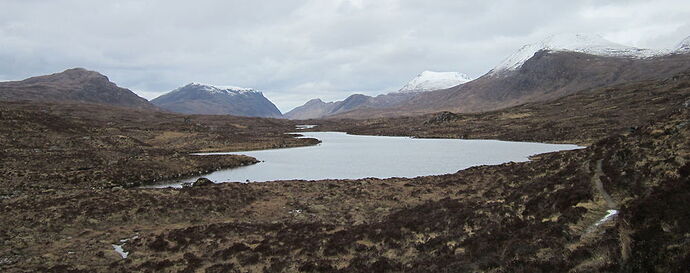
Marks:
<point>296,50</point>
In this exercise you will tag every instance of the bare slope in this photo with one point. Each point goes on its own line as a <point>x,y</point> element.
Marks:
<point>72,85</point>
<point>196,98</point>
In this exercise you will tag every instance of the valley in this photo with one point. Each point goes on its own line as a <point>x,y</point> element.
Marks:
<point>82,161</point>
<point>512,217</point>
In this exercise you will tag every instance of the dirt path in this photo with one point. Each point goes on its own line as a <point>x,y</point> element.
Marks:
<point>596,180</point>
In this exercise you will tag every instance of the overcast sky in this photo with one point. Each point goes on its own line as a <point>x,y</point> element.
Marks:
<point>295,50</point>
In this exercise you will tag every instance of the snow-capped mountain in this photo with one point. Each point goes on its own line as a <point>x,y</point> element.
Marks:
<point>430,80</point>
<point>550,69</point>
<point>217,89</point>
<point>684,46</point>
<point>584,43</point>
<point>199,98</point>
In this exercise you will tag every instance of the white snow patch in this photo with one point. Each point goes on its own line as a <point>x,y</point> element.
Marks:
<point>119,250</point>
<point>430,80</point>
<point>610,214</point>
<point>218,89</point>
<point>583,43</point>
<point>683,46</point>
<point>305,126</point>
<point>224,87</point>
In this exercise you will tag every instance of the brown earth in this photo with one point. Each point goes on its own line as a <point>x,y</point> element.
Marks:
<point>537,216</point>
<point>72,145</point>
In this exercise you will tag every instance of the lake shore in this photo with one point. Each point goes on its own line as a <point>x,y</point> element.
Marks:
<point>345,156</point>
<point>65,213</point>
<point>64,146</point>
<point>536,212</point>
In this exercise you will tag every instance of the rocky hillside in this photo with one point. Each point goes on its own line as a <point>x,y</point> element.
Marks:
<point>548,70</point>
<point>196,98</point>
<point>582,117</point>
<point>72,85</point>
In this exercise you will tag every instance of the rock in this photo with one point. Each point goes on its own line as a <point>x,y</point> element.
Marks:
<point>202,182</point>
<point>442,118</point>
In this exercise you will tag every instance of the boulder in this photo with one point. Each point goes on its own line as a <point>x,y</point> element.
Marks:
<point>202,182</point>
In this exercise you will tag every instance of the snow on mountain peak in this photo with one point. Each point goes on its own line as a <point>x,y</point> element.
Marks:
<point>430,80</point>
<point>583,43</point>
<point>217,89</point>
<point>684,46</point>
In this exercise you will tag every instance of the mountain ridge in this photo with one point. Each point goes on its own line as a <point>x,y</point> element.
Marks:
<point>430,80</point>
<point>683,46</point>
<point>583,43</point>
<point>198,98</point>
<point>425,81</point>
<point>72,85</point>
<point>546,75</point>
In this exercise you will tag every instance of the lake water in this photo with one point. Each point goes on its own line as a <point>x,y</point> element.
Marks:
<point>343,156</point>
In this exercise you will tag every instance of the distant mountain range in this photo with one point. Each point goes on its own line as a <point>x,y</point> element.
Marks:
<point>425,81</point>
<point>197,98</point>
<point>84,86</point>
<point>555,67</point>
<point>72,85</point>
<point>316,108</point>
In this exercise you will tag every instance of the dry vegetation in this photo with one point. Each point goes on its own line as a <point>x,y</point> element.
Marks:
<point>537,216</point>
<point>62,145</point>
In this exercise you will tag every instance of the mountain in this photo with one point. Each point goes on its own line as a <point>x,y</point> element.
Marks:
<point>430,80</point>
<point>582,43</point>
<point>580,118</point>
<point>315,108</point>
<point>197,98</point>
<point>424,82</point>
<point>72,85</point>
<point>683,46</point>
<point>550,69</point>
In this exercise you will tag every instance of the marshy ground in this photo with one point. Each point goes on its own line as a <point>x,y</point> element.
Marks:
<point>69,173</point>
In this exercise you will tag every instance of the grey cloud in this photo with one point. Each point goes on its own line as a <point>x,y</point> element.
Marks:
<point>295,50</point>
